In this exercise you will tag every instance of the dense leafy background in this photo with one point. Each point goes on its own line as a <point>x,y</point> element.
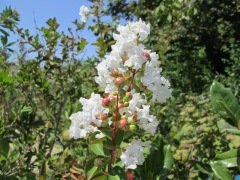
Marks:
<point>198,42</point>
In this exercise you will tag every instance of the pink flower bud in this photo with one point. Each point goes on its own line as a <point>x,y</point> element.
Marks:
<point>146,55</point>
<point>103,117</point>
<point>120,105</point>
<point>105,101</point>
<point>112,98</point>
<point>123,123</point>
<point>118,81</point>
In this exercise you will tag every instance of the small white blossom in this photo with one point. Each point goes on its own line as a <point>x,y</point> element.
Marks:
<point>84,13</point>
<point>134,154</point>
<point>87,120</point>
<point>141,28</point>
<point>146,121</point>
<point>153,80</point>
<point>134,104</point>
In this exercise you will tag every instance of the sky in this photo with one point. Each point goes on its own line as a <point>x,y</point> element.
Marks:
<point>34,13</point>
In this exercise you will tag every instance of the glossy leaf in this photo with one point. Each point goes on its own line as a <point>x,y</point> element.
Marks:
<point>225,103</point>
<point>168,158</point>
<point>91,172</point>
<point>97,149</point>
<point>229,158</point>
<point>220,171</point>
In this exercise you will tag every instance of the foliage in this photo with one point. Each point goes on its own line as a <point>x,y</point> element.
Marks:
<point>37,91</point>
<point>42,75</point>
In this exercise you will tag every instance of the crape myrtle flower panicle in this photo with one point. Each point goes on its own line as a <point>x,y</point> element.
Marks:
<point>134,154</point>
<point>126,53</point>
<point>87,120</point>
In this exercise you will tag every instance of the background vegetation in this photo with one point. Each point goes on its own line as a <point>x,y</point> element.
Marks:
<point>198,42</point>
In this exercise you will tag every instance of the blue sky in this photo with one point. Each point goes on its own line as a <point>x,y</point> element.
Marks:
<point>34,13</point>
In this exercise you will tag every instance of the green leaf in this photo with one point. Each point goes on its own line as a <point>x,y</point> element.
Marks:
<point>26,109</point>
<point>97,149</point>
<point>220,171</point>
<point>119,137</point>
<point>168,158</point>
<point>117,173</point>
<point>91,172</point>
<point>226,127</point>
<point>183,131</point>
<point>5,77</point>
<point>4,147</point>
<point>225,103</point>
<point>115,177</point>
<point>229,158</point>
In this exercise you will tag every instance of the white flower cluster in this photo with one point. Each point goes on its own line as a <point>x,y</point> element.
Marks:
<point>138,106</point>
<point>134,154</point>
<point>87,120</point>
<point>116,75</point>
<point>153,80</point>
<point>129,53</point>
<point>84,13</point>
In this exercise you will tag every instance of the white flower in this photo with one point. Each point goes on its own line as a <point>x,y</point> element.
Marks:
<point>146,121</point>
<point>87,120</point>
<point>134,104</point>
<point>84,13</point>
<point>153,80</point>
<point>127,52</point>
<point>80,127</point>
<point>134,154</point>
<point>140,28</point>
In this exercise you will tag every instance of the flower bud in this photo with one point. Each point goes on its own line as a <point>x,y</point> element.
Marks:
<point>65,135</point>
<point>112,98</point>
<point>105,101</point>
<point>128,94</point>
<point>126,104</point>
<point>103,117</point>
<point>127,97</point>
<point>120,105</point>
<point>129,175</point>
<point>119,81</point>
<point>114,73</point>
<point>132,128</point>
<point>123,123</point>
<point>133,119</point>
<point>146,55</point>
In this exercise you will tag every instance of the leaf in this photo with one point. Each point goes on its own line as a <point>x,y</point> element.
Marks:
<point>119,137</point>
<point>26,109</point>
<point>4,147</point>
<point>5,77</point>
<point>91,172</point>
<point>97,149</point>
<point>168,158</point>
<point>115,177</point>
<point>117,173</point>
<point>220,171</point>
<point>183,131</point>
<point>229,158</point>
<point>226,127</point>
<point>225,103</point>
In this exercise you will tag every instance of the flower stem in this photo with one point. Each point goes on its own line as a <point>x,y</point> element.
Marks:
<point>114,131</point>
